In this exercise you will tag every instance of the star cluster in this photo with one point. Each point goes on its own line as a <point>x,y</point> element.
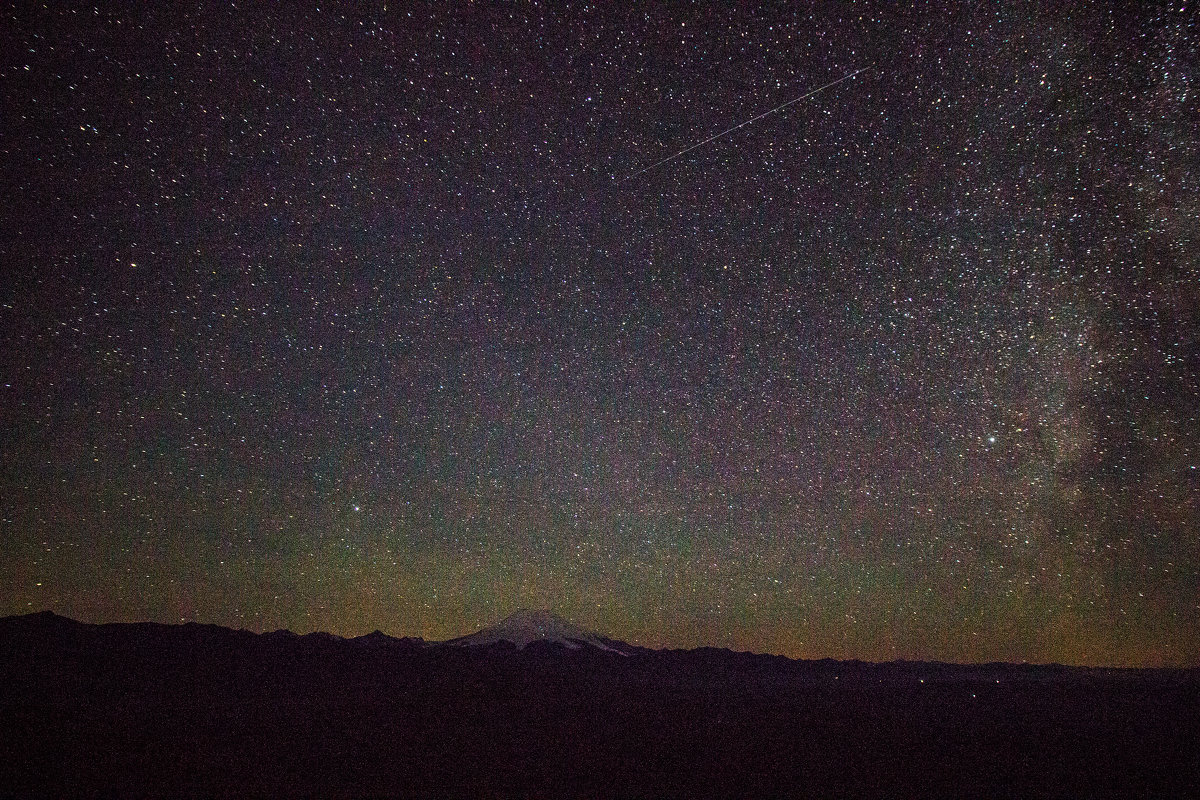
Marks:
<point>361,316</point>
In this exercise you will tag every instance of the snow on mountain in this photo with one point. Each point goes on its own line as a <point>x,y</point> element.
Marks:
<point>527,626</point>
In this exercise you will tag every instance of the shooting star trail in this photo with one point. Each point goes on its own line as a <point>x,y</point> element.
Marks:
<point>714,137</point>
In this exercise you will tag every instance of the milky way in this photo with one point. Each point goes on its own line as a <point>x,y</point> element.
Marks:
<point>336,319</point>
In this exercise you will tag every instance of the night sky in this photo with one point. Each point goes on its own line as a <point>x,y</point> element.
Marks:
<point>361,317</point>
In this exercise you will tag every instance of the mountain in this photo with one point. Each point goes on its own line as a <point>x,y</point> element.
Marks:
<point>526,626</point>
<point>379,639</point>
<point>550,710</point>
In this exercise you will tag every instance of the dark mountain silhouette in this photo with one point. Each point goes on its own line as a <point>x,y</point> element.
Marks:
<point>144,709</point>
<point>380,639</point>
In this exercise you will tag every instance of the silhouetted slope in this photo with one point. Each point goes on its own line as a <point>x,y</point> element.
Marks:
<point>154,710</point>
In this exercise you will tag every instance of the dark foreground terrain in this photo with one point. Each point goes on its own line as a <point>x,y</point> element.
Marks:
<point>192,710</point>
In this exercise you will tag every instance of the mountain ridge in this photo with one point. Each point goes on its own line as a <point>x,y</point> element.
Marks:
<point>498,635</point>
<point>146,709</point>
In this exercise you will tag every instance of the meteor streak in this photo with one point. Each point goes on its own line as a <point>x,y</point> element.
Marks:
<point>714,137</point>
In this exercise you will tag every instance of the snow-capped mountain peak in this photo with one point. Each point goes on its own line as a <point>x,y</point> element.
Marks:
<point>526,626</point>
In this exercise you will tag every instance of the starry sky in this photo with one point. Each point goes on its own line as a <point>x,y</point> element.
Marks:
<point>365,315</point>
